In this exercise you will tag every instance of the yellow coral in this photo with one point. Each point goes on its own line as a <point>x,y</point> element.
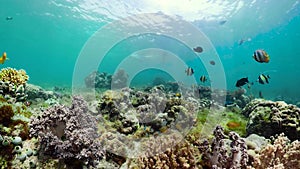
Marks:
<point>11,75</point>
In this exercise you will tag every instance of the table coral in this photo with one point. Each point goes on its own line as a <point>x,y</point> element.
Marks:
<point>68,134</point>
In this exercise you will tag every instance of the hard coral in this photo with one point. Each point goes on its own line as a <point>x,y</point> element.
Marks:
<point>281,154</point>
<point>68,134</point>
<point>181,156</point>
<point>16,77</point>
<point>268,118</point>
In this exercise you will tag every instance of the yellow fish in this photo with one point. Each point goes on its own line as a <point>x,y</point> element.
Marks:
<point>3,58</point>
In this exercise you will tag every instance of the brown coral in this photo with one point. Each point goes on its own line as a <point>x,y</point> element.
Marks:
<point>6,114</point>
<point>281,154</point>
<point>268,118</point>
<point>16,77</point>
<point>182,156</point>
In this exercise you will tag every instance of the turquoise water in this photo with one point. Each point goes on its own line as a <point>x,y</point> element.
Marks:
<point>46,37</point>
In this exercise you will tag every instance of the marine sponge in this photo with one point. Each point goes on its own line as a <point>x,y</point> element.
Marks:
<point>68,134</point>
<point>17,77</point>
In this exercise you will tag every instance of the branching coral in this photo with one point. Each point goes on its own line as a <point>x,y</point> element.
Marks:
<point>68,134</point>
<point>16,77</point>
<point>166,151</point>
<point>181,156</point>
<point>279,155</point>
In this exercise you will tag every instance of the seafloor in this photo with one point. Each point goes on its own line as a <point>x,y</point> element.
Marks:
<point>163,125</point>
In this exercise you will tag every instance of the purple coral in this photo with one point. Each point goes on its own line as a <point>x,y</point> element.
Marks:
<point>223,152</point>
<point>68,134</point>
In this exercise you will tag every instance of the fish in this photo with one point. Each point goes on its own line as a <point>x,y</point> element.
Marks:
<point>261,56</point>
<point>198,49</point>
<point>233,124</point>
<point>263,79</point>
<point>3,58</point>
<point>260,94</point>
<point>189,71</point>
<point>203,78</point>
<point>242,82</point>
<point>212,62</point>
<point>222,22</point>
<point>241,41</point>
<point>177,94</point>
<point>8,18</point>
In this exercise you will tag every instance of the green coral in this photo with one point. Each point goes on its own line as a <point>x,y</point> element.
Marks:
<point>11,75</point>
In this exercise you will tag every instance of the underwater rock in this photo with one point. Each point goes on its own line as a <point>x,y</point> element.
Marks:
<point>255,144</point>
<point>224,151</point>
<point>33,92</point>
<point>68,133</point>
<point>268,118</point>
<point>98,80</point>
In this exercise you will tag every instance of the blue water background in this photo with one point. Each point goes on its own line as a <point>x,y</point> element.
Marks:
<point>46,37</point>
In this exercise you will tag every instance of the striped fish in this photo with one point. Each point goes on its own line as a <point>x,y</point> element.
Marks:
<point>203,79</point>
<point>263,79</point>
<point>261,56</point>
<point>189,71</point>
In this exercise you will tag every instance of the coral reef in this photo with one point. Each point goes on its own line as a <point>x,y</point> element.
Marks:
<point>224,152</point>
<point>11,92</point>
<point>106,81</point>
<point>279,155</point>
<point>98,80</point>
<point>180,156</point>
<point>68,134</point>
<point>154,109</point>
<point>119,79</point>
<point>11,75</point>
<point>12,84</point>
<point>268,118</point>
<point>33,92</point>
<point>14,129</point>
